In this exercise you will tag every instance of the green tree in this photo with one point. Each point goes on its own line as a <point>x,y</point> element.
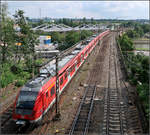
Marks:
<point>126,43</point>
<point>72,38</point>
<point>139,30</point>
<point>132,34</point>
<point>28,40</point>
<point>6,35</point>
<point>84,34</point>
<point>146,28</point>
<point>59,37</point>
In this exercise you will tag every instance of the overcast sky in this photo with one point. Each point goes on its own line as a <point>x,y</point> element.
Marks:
<point>80,9</point>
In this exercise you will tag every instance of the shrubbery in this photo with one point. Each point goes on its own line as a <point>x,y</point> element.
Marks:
<point>126,43</point>
<point>73,37</point>
<point>20,83</point>
<point>11,73</point>
<point>138,65</point>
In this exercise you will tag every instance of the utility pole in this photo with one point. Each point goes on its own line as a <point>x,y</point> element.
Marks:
<point>57,116</point>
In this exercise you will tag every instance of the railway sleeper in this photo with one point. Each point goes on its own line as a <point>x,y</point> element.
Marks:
<point>83,116</point>
<point>114,130</point>
<point>114,124</point>
<point>80,124</point>
<point>114,113</point>
<point>133,117</point>
<point>117,127</point>
<point>114,134</point>
<point>134,124</point>
<point>133,113</point>
<point>84,111</point>
<point>111,118</point>
<point>79,128</point>
<point>112,121</point>
<point>85,105</point>
<point>136,131</point>
<point>113,101</point>
<point>114,109</point>
<point>114,98</point>
<point>114,105</point>
<point>113,94</point>
<point>77,133</point>
<point>132,110</point>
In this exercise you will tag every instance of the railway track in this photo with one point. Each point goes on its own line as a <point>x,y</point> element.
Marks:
<point>133,113</point>
<point>114,122</point>
<point>6,115</point>
<point>81,122</point>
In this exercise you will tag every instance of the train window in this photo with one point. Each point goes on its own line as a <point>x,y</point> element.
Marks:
<point>61,80</point>
<point>66,75</point>
<point>26,99</point>
<point>52,91</point>
<point>46,94</point>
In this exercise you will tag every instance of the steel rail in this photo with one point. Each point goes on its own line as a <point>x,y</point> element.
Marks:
<point>107,95</point>
<point>89,115</point>
<point>120,116</point>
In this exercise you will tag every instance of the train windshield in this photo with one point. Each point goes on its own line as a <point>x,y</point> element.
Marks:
<point>26,99</point>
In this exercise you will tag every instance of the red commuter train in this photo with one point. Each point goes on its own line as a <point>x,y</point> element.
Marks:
<point>39,94</point>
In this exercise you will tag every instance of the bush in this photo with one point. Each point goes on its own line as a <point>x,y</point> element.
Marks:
<point>133,81</point>
<point>39,62</point>
<point>143,91</point>
<point>25,75</point>
<point>126,43</point>
<point>7,76</point>
<point>16,69</point>
<point>20,83</point>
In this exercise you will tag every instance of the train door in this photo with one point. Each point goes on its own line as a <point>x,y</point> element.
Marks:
<point>61,82</point>
<point>46,99</point>
<point>52,93</point>
<point>72,70</point>
<point>44,102</point>
<point>68,72</point>
<point>65,77</point>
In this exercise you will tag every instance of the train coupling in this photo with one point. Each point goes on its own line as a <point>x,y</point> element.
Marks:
<point>20,122</point>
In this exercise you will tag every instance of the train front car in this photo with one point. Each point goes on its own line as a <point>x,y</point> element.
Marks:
<point>24,108</point>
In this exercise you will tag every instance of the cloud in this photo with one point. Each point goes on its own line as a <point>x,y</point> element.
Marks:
<point>80,9</point>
